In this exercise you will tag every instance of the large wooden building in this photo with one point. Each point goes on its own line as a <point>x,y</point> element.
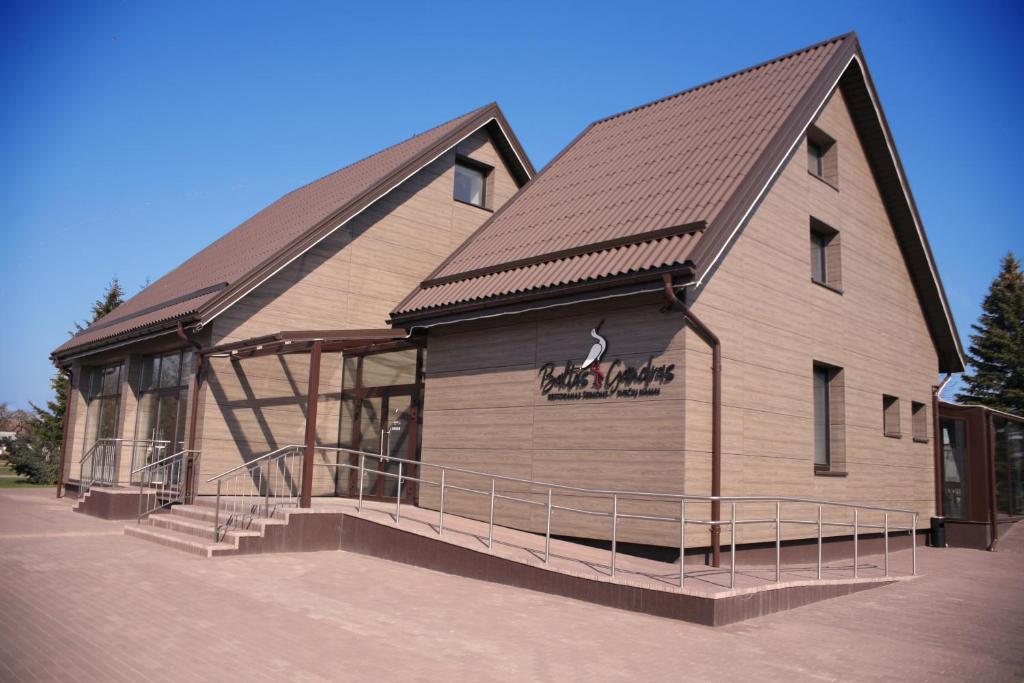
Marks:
<point>724,292</point>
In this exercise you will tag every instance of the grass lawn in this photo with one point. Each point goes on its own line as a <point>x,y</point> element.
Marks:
<point>20,484</point>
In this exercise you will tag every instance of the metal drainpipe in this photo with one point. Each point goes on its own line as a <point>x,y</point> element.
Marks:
<point>937,437</point>
<point>194,410</point>
<point>711,339</point>
<point>64,434</point>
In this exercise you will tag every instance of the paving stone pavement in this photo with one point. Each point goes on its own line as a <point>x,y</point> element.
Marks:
<point>80,601</point>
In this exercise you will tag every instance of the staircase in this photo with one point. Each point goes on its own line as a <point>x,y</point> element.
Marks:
<point>190,528</point>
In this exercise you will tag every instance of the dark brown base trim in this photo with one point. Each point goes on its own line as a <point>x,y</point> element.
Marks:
<point>110,503</point>
<point>377,540</point>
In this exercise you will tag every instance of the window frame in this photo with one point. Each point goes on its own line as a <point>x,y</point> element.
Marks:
<point>826,246</point>
<point>891,417</point>
<point>919,421</point>
<point>819,371</point>
<point>484,171</point>
<point>826,158</point>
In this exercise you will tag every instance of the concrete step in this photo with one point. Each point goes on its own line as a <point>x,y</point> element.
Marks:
<point>180,541</point>
<point>208,514</point>
<point>199,528</point>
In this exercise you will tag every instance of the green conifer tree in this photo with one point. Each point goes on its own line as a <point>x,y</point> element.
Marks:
<point>36,453</point>
<point>996,355</point>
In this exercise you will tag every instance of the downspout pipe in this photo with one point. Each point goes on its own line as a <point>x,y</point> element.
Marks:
<point>197,356</point>
<point>711,339</point>
<point>937,450</point>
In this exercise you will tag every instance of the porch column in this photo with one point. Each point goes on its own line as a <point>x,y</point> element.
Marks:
<point>311,402</point>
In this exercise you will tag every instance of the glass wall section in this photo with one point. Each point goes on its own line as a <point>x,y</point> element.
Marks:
<point>954,466</point>
<point>163,399</point>
<point>1009,463</point>
<point>103,395</point>
<point>380,397</point>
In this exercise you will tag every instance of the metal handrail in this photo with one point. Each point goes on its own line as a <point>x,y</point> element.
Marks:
<point>615,515</point>
<point>250,463</point>
<point>165,482</point>
<point>610,492</point>
<point>250,489</point>
<point>162,460</point>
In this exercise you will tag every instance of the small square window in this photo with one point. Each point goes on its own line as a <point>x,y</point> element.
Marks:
<point>891,416</point>
<point>469,185</point>
<point>822,159</point>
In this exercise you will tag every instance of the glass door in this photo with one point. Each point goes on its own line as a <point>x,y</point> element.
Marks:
<point>380,415</point>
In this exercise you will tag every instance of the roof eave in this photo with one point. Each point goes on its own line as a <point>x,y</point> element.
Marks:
<point>424,317</point>
<point>242,287</point>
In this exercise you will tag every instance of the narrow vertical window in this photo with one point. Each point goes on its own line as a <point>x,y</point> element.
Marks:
<point>891,416</point>
<point>822,427</point>
<point>919,421</point>
<point>826,265</point>
<point>819,264</point>
<point>815,159</point>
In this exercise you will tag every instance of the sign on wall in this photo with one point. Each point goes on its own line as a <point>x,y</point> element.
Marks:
<point>571,382</point>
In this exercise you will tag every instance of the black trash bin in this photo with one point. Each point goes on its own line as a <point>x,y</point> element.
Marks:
<point>938,532</point>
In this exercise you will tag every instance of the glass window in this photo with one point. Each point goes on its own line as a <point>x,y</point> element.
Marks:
<point>890,416</point>
<point>169,367</point>
<point>815,159</point>
<point>1009,447</point>
<point>954,466</point>
<point>150,372</point>
<point>819,266</point>
<point>469,185</point>
<point>919,421</point>
<point>822,446</point>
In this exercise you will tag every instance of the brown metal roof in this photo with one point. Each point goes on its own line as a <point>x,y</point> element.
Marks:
<point>288,224</point>
<point>673,162</point>
<point>614,206</point>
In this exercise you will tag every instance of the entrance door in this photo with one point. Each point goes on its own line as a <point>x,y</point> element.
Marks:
<point>380,414</point>
<point>386,418</point>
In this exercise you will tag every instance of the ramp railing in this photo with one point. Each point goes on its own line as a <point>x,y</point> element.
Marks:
<point>683,513</point>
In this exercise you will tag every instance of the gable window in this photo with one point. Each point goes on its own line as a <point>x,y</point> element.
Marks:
<point>891,416</point>
<point>469,183</point>
<point>815,159</point>
<point>822,161</point>
<point>826,268</point>
<point>829,428</point>
<point>919,421</point>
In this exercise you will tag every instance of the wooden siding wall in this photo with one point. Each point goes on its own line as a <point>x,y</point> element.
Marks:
<point>774,323</point>
<point>484,411</point>
<point>351,280</point>
<point>483,408</point>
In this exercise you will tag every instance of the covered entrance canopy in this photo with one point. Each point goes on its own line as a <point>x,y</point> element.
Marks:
<point>382,375</point>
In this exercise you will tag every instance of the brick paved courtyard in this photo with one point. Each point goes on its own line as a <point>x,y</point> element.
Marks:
<point>78,600</point>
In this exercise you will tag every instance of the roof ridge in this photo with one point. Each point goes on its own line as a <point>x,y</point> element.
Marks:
<point>734,74</point>
<point>466,115</point>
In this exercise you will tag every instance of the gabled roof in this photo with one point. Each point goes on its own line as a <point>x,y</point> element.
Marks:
<point>218,275</point>
<point>666,187</point>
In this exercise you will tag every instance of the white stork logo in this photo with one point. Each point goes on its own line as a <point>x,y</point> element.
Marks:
<point>597,350</point>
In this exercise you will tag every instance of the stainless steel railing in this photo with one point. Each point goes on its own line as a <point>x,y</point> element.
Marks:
<point>101,464</point>
<point>614,498</point>
<point>166,481</point>
<point>257,488</point>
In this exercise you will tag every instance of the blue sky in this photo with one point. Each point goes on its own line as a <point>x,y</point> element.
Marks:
<point>133,134</point>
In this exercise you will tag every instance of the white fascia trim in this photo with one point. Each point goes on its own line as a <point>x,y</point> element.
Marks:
<point>903,185</point>
<point>526,170</point>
